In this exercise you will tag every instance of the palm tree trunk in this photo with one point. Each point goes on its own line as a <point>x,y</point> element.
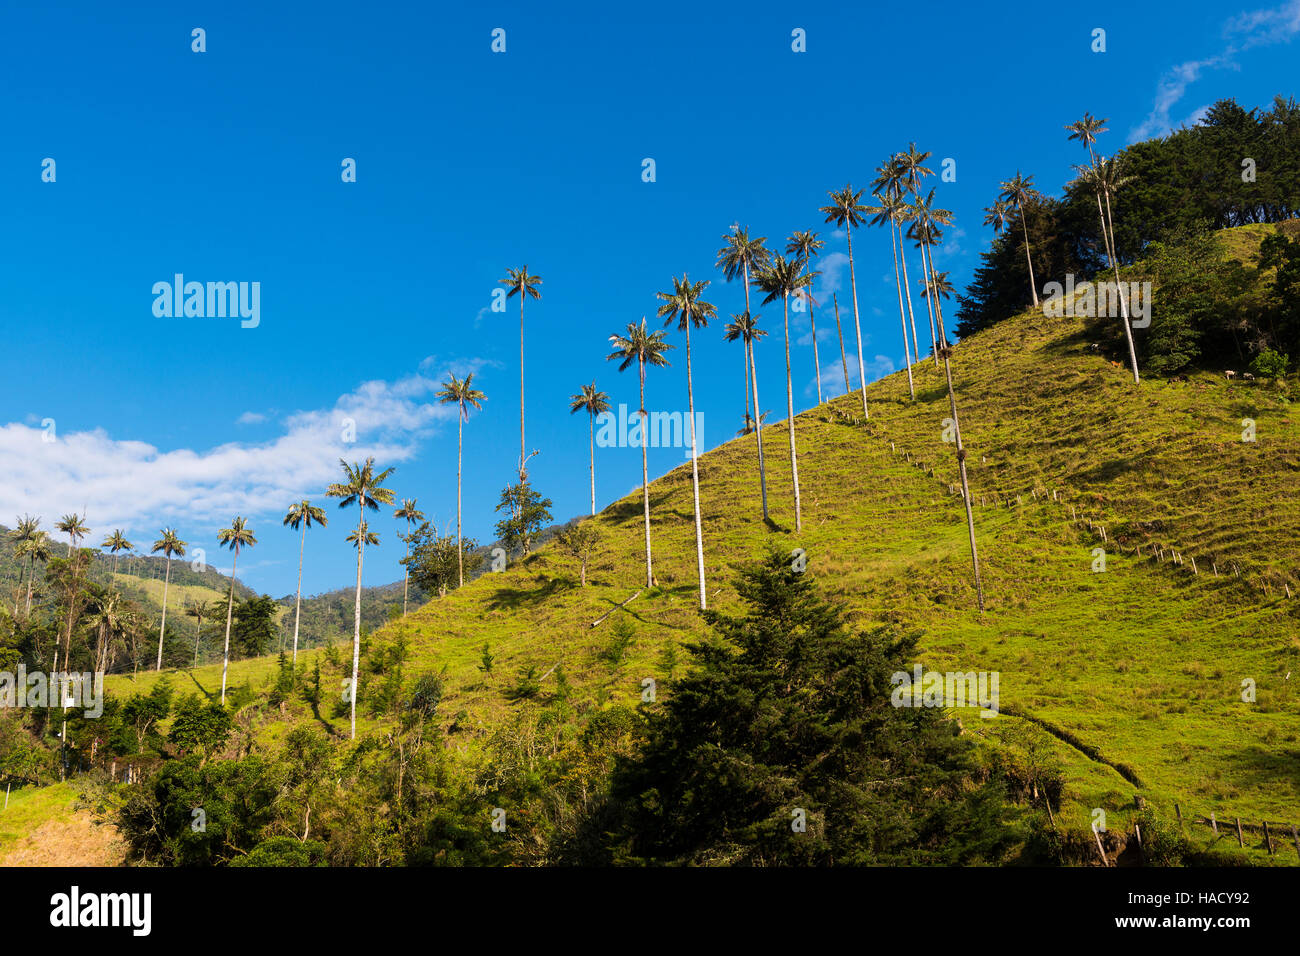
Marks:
<point>817,363</point>
<point>745,358</point>
<point>840,332</point>
<point>758,426</point>
<point>1028,258</point>
<point>645,476</point>
<point>1123,299</point>
<point>965,486</point>
<point>198,633</point>
<point>902,318</point>
<point>695,471</point>
<point>862,366</point>
<point>230,611</point>
<point>591,440</point>
<point>162,628</point>
<point>297,608</point>
<point>938,305</point>
<point>929,302</point>
<point>460,445</point>
<point>522,458</point>
<point>406,582</point>
<point>789,407</point>
<point>356,615</point>
<point>31,574</point>
<point>907,288</point>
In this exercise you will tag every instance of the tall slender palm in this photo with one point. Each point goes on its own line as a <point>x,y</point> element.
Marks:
<point>1111,178</point>
<point>199,610</point>
<point>34,548</point>
<point>302,514</point>
<point>74,526</point>
<point>892,178</point>
<point>362,486</point>
<point>740,256</point>
<point>847,212</point>
<point>926,231</point>
<point>685,306</point>
<point>171,546</point>
<point>804,244</point>
<point>23,537</point>
<point>646,349</point>
<point>362,531</point>
<point>463,393</point>
<point>523,284</point>
<point>780,280</point>
<point>594,402</point>
<point>887,214</point>
<point>239,535</point>
<point>945,352</point>
<point>835,301</point>
<point>909,167</point>
<point>115,542</point>
<point>1019,192</point>
<point>745,327</point>
<point>409,513</point>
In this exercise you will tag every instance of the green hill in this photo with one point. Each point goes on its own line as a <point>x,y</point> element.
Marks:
<point>1133,676</point>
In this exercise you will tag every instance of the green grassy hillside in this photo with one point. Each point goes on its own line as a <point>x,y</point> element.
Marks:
<point>1136,672</point>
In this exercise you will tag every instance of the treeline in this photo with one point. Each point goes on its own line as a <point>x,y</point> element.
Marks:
<point>1236,167</point>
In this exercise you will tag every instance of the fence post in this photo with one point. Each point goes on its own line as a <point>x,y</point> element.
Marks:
<point>1241,842</point>
<point>1268,839</point>
<point>1214,823</point>
<point>1179,811</point>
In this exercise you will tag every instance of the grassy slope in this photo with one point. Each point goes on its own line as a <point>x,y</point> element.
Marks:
<point>1145,662</point>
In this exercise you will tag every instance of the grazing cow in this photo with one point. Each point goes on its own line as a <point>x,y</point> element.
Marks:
<point>1248,376</point>
<point>1229,373</point>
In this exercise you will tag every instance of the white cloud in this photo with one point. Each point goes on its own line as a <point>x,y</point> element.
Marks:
<point>250,418</point>
<point>131,484</point>
<point>1241,33</point>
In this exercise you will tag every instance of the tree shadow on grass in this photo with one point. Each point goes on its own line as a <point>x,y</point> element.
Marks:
<point>512,599</point>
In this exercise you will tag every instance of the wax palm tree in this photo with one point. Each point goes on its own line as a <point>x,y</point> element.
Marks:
<point>685,306</point>
<point>804,245</point>
<point>1086,131</point>
<point>892,178</point>
<point>171,546</point>
<point>108,620</point>
<point>23,537</point>
<point>945,352</point>
<point>463,393</point>
<point>646,349</point>
<point>925,230</point>
<point>1111,178</point>
<point>780,280</point>
<point>750,425</point>
<point>35,546</point>
<point>115,542</point>
<point>745,328</point>
<point>238,536</point>
<point>74,526</point>
<point>302,514</point>
<point>909,169</point>
<point>997,215</point>
<point>1019,192</point>
<point>409,513</point>
<point>847,212</point>
<point>835,301</point>
<point>199,610</point>
<point>740,256</point>
<point>362,486</point>
<point>594,402</point>
<point>887,214</point>
<point>521,283</point>
<point>363,531</point>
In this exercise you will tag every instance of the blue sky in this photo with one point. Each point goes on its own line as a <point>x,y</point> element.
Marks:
<point>225,166</point>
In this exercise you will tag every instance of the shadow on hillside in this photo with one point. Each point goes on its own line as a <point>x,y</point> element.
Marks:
<point>635,509</point>
<point>1260,766</point>
<point>512,599</point>
<point>207,694</point>
<point>1110,470</point>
